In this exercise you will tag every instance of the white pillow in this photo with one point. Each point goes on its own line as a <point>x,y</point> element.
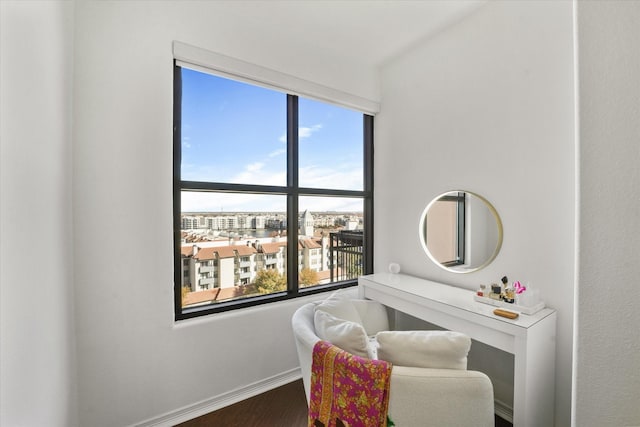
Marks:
<point>340,307</point>
<point>424,349</point>
<point>349,336</point>
<point>373,314</point>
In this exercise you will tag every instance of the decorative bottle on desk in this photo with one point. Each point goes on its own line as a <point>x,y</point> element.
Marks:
<point>482,291</point>
<point>509,295</point>
<point>496,292</point>
<point>505,284</point>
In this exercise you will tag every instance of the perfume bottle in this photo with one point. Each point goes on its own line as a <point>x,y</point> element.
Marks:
<point>509,295</point>
<point>482,291</point>
<point>496,292</point>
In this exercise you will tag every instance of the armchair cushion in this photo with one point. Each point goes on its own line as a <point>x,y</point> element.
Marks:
<point>345,334</point>
<point>373,314</point>
<point>341,307</point>
<point>424,349</point>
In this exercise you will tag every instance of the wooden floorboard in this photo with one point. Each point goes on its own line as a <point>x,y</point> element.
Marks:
<point>284,406</point>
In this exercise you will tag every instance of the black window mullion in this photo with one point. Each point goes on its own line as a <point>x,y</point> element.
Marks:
<point>177,202</point>
<point>367,248</point>
<point>292,194</point>
<point>462,203</point>
<point>337,193</point>
<point>232,188</point>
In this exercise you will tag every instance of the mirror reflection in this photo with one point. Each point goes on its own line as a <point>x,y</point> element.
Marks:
<point>461,231</point>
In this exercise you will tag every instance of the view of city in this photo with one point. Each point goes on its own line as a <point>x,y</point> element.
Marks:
<point>227,256</point>
<point>234,243</point>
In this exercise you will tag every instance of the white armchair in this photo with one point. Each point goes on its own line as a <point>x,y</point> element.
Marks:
<point>418,397</point>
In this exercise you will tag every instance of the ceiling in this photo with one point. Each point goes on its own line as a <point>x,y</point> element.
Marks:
<point>370,32</point>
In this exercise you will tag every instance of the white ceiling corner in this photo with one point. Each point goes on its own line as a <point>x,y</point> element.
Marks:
<point>368,32</point>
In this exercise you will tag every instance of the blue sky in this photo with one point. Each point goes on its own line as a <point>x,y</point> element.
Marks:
<point>236,132</point>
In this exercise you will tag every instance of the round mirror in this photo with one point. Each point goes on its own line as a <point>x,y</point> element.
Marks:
<point>461,231</point>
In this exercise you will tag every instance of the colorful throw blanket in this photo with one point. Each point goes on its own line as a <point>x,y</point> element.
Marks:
<point>347,390</point>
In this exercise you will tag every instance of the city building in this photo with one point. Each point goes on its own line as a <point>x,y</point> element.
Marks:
<point>220,264</point>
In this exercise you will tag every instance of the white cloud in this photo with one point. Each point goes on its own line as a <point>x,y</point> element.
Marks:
<point>255,167</point>
<point>330,204</point>
<point>348,178</point>
<point>303,132</point>
<point>277,153</point>
<point>259,173</point>
<point>260,176</point>
<point>231,202</point>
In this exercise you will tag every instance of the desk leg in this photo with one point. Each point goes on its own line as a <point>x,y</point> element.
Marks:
<point>534,375</point>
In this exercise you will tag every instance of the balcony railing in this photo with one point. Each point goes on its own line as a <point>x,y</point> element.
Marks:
<point>207,281</point>
<point>207,269</point>
<point>345,249</point>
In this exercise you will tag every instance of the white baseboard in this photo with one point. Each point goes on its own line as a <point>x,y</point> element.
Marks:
<point>217,402</point>
<point>503,410</point>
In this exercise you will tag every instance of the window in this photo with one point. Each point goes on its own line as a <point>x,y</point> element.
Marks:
<point>272,194</point>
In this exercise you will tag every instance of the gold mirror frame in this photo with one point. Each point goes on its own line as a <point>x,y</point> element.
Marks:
<point>474,236</point>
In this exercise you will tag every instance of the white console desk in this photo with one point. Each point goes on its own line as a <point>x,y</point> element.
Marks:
<point>531,339</point>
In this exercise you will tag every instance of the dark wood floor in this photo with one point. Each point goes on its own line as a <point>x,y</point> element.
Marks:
<point>284,406</point>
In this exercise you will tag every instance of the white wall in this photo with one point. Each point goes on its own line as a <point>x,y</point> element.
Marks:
<point>37,369</point>
<point>608,344</point>
<point>482,232</point>
<point>487,106</point>
<point>492,96</point>
<point>133,363</point>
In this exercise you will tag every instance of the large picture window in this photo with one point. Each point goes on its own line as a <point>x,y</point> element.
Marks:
<point>272,194</point>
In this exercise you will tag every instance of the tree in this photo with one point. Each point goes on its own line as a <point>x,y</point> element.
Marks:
<point>354,265</point>
<point>308,277</point>
<point>270,281</point>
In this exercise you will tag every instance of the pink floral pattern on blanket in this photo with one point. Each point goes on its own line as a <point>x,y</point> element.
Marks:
<point>347,390</point>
